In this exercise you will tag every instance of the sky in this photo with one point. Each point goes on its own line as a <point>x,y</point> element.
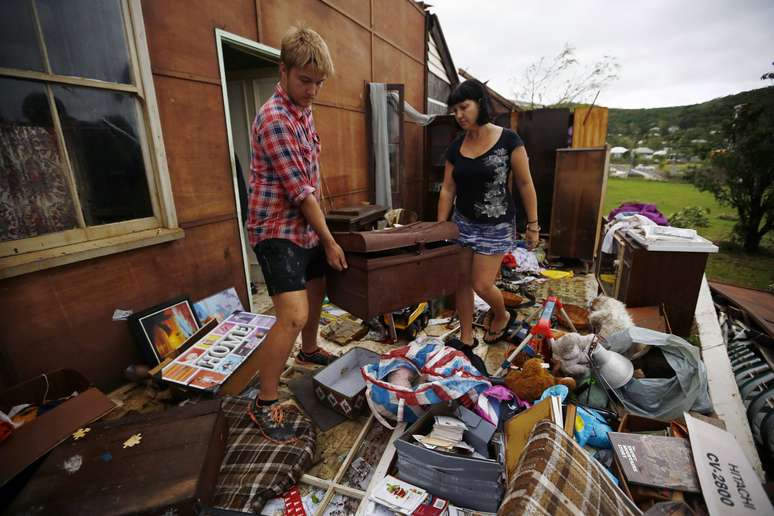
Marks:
<point>671,52</point>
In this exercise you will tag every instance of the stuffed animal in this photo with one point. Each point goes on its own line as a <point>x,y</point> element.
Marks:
<point>529,383</point>
<point>608,316</point>
<point>569,355</point>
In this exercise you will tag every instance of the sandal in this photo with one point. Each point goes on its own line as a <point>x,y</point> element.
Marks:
<point>491,338</point>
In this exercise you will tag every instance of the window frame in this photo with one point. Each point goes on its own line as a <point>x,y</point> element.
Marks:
<point>85,242</point>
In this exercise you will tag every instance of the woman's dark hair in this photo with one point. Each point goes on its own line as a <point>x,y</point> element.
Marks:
<point>472,89</point>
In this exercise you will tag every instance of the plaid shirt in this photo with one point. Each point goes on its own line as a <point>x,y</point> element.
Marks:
<point>285,170</point>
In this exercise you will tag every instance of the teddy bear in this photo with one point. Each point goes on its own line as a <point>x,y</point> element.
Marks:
<point>568,355</point>
<point>530,382</point>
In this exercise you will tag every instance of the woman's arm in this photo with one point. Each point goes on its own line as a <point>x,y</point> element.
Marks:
<point>523,180</point>
<point>448,192</point>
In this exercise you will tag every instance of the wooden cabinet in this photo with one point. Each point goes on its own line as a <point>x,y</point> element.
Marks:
<point>576,211</point>
<point>649,278</point>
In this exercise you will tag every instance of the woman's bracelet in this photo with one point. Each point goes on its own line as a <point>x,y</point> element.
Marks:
<point>533,226</point>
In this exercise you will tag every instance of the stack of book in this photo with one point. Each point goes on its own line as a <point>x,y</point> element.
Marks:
<point>447,434</point>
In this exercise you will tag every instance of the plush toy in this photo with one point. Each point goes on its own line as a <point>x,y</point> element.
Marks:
<point>529,383</point>
<point>569,355</point>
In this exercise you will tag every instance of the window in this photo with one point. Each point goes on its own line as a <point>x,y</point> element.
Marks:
<point>78,172</point>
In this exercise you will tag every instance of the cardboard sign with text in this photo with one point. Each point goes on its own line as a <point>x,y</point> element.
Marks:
<point>729,484</point>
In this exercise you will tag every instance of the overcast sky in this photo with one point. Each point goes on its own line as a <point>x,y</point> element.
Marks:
<point>671,52</point>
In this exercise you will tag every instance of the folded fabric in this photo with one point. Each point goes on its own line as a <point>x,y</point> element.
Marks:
<point>648,210</point>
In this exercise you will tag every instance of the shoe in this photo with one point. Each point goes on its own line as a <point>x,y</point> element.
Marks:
<point>271,420</point>
<point>459,345</point>
<point>318,357</point>
<point>491,338</point>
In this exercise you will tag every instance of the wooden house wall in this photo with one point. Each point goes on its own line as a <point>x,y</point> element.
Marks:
<point>589,129</point>
<point>61,317</point>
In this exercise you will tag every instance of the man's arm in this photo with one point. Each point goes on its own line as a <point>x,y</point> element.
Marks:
<point>314,216</point>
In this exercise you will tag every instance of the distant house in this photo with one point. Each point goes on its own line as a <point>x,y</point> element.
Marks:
<point>661,153</point>
<point>617,152</point>
<point>673,129</point>
<point>699,141</point>
<point>643,152</point>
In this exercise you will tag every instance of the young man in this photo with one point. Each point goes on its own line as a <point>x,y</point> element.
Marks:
<point>286,225</point>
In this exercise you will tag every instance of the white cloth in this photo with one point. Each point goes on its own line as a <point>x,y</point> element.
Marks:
<point>622,221</point>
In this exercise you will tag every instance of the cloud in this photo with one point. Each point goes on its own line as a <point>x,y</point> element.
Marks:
<point>671,52</point>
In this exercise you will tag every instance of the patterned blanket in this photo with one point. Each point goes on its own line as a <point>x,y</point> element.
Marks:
<point>556,477</point>
<point>255,469</point>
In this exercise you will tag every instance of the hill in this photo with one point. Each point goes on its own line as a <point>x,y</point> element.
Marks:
<point>651,127</point>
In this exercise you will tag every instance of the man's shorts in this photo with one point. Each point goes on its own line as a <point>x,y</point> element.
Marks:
<point>286,266</point>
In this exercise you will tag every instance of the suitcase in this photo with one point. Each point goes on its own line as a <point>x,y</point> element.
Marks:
<point>390,269</point>
<point>171,470</point>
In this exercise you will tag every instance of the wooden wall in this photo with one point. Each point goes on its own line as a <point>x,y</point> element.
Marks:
<point>61,317</point>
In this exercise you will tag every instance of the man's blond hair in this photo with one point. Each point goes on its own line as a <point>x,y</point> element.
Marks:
<point>302,46</point>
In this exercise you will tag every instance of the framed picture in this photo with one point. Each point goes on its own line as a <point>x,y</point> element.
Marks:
<point>218,306</point>
<point>164,328</point>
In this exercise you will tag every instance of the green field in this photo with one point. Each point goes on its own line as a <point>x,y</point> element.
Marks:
<point>730,265</point>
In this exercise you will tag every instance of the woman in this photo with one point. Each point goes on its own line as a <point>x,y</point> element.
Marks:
<point>478,185</point>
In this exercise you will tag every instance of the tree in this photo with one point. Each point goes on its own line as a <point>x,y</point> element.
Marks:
<point>564,80</point>
<point>768,75</point>
<point>742,174</point>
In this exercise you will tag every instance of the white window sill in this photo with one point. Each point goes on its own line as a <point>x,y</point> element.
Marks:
<point>39,260</point>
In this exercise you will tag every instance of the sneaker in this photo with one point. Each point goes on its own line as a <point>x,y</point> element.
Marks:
<point>271,420</point>
<point>318,357</point>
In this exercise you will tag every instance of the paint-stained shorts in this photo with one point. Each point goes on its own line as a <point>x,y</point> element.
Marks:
<point>286,266</point>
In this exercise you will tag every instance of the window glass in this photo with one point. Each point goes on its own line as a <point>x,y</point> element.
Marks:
<point>18,37</point>
<point>103,143</point>
<point>34,195</point>
<point>85,38</point>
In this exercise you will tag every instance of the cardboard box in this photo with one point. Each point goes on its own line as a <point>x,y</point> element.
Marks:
<point>341,385</point>
<point>34,439</point>
<point>466,481</point>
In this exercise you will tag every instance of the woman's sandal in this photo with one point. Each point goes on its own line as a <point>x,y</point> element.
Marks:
<point>492,338</point>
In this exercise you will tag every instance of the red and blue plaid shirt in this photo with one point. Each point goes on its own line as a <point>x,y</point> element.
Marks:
<point>285,170</point>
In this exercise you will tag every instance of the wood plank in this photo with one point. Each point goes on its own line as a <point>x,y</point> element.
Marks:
<point>722,388</point>
<point>576,209</point>
<point>399,22</point>
<point>347,41</point>
<point>589,127</point>
<point>382,467</point>
<point>344,157</point>
<point>71,306</point>
<point>181,35</point>
<point>194,128</point>
<point>759,304</point>
<point>392,66</point>
<point>356,9</point>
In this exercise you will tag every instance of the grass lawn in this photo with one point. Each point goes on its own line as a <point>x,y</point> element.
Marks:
<point>731,264</point>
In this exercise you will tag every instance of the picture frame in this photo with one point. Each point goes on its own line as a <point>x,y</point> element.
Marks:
<point>163,328</point>
<point>218,306</point>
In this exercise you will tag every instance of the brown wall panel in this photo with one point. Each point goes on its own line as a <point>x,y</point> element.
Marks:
<point>589,129</point>
<point>358,9</point>
<point>70,308</point>
<point>414,151</point>
<point>344,158</point>
<point>181,35</point>
<point>391,65</point>
<point>413,196</point>
<point>194,128</point>
<point>349,44</point>
<point>403,24</point>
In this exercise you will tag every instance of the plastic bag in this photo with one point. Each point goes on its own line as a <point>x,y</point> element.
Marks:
<point>446,374</point>
<point>664,399</point>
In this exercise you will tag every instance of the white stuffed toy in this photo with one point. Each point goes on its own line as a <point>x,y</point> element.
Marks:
<point>569,355</point>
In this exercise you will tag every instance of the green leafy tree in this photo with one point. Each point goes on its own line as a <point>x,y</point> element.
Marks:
<point>741,175</point>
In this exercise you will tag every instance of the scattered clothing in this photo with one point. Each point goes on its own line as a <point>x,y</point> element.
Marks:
<point>647,210</point>
<point>622,221</point>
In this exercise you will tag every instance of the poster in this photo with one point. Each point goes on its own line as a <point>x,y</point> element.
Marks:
<point>218,306</point>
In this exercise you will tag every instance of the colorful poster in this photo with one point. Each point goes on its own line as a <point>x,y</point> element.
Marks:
<point>218,306</point>
<point>209,362</point>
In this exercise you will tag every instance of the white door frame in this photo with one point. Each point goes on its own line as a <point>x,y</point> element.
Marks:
<point>269,54</point>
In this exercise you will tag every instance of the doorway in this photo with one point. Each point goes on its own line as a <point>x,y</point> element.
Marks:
<point>248,72</point>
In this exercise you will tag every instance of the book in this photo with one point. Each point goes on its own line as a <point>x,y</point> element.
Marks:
<point>655,461</point>
<point>398,496</point>
<point>519,427</point>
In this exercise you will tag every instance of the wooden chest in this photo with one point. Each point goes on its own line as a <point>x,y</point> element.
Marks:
<point>393,268</point>
<point>171,468</point>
